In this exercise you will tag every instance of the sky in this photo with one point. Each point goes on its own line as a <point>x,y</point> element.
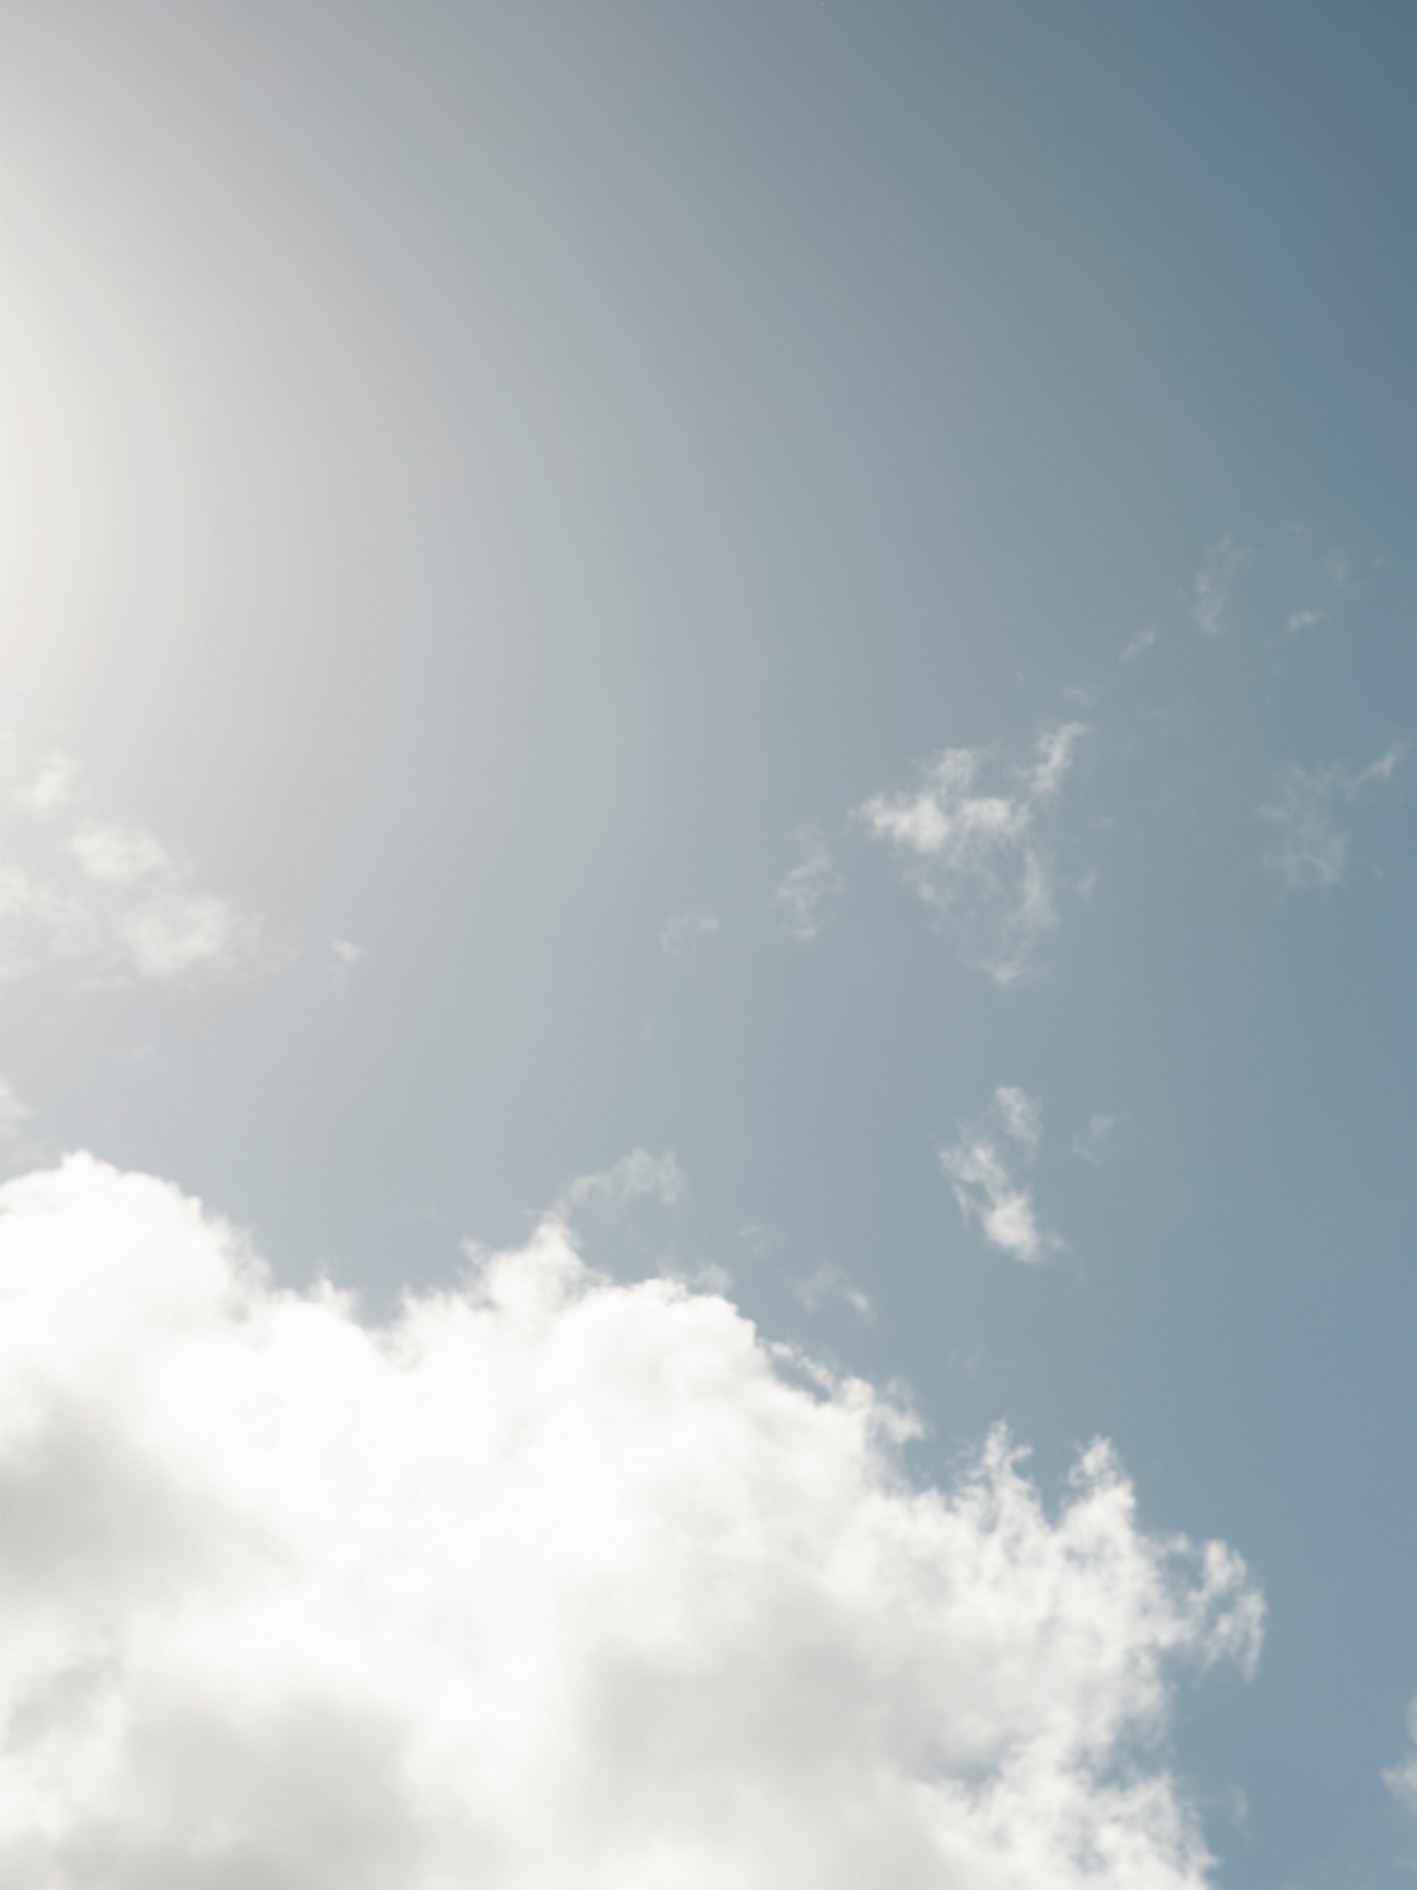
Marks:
<point>709,1106</point>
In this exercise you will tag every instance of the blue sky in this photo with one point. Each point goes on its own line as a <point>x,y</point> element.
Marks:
<point>823,591</point>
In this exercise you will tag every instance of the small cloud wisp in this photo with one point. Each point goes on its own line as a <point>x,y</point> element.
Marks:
<point>983,1166</point>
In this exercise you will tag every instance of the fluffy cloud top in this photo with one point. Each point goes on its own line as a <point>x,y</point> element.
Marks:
<point>981,860</point>
<point>552,1582</point>
<point>1311,851</point>
<point>984,1164</point>
<point>106,895</point>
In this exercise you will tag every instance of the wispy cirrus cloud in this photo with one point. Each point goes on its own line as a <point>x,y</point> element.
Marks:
<point>1213,588</point>
<point>985,1167</point>
<point>980,858</point>
<point>1311,845</point>
<point>108,895</point>
<point>804,897</point>
<point>292,1599</point>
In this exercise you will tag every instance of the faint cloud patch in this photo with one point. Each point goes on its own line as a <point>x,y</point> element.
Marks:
<point>637,1176</point>
<point>1401,1779</point>
<point>51,787</point>
<point>296,1600</point>
<point>109,895</point>
<point>681,937</point>
<point>984,1167</point>
<point>1331,578</point>
<point>966,1361</point>
<point>1212,591</point>
<point>1311,849</point>
<point>982,860</point>
<point>344,957</point>
<point>1097,1141</point>
<point>1138,645</point>
<point>832,1283</point>
<point>14,1114</point>
<point>761,1240</point>
<point>805,895</point>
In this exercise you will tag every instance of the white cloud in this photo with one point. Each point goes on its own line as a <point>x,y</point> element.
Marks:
<point>1222,567</point>
<point>1311,853</point>
<point>550,1582</point>
<point>107,896</point>
<point>808,889</point>
<point>983,1166</point>
<point>981,860</point>
<point>681,937</point>
<point>1137,645</point>
<point>1401,1779</point>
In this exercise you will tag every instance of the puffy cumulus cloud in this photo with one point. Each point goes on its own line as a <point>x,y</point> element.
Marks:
<point>106,895</point>
<point>1311,843</point>
<point>983,1165</point>
<point>982,860</point>
<point>818,1289</point>
<point>550,1582</point>
<point>1222,567</point>
<point>803,899</point>
<point>1401,1779</point>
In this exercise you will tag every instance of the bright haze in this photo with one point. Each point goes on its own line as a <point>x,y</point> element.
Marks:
<point>709,1085</point>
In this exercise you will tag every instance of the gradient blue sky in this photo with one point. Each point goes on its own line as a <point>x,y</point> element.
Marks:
<point>502,486</point>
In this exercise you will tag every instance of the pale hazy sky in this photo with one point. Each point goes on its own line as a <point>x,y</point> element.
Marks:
<point>764,647</point>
